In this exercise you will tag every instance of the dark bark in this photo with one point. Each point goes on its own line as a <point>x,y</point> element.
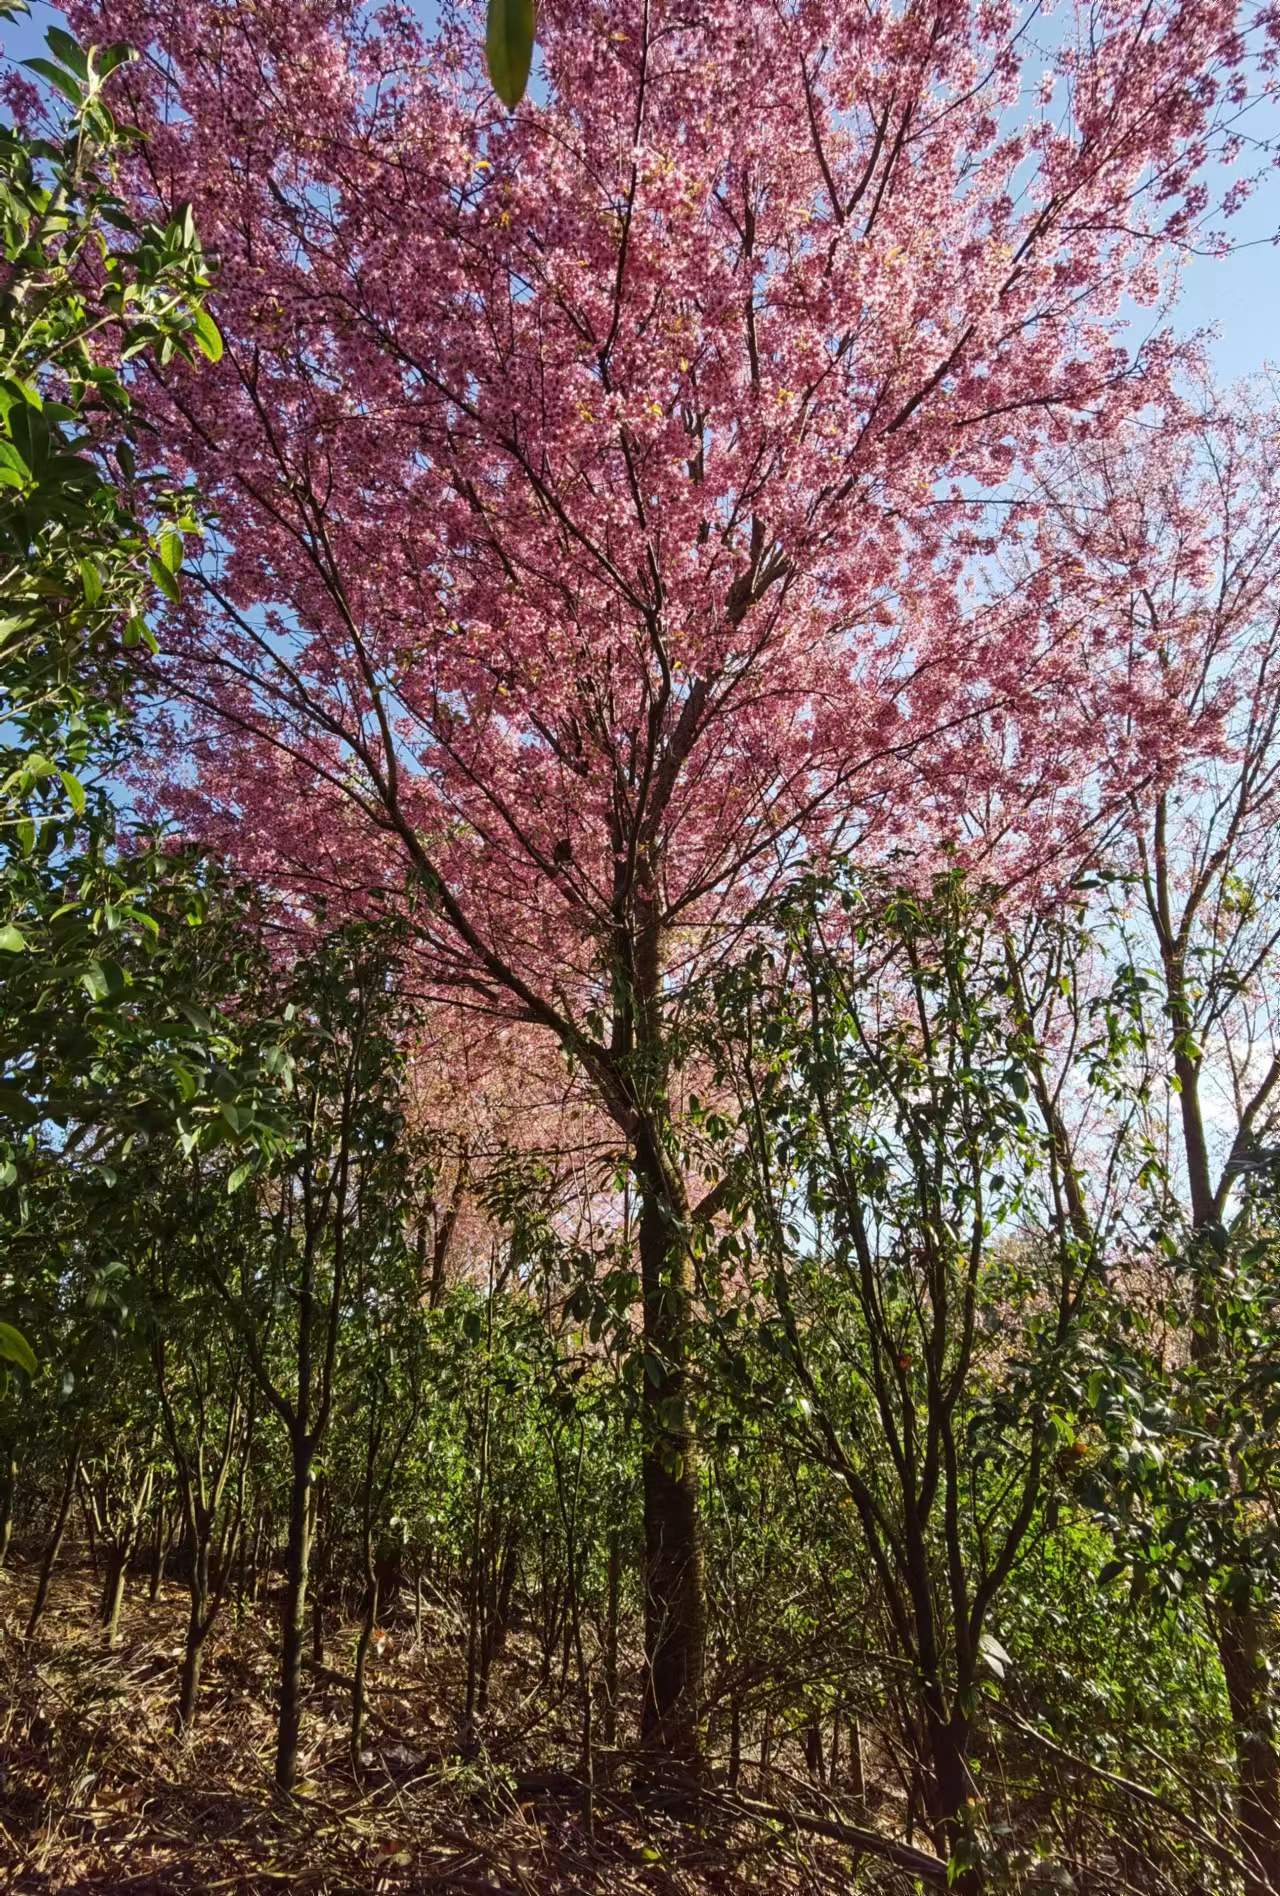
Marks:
<point>947,1785</point>
<point>293,1617</point>
<point>8,1493</point>
<point>1243,1656</point>
<point>675,1613</point>
<point>54,1543</point>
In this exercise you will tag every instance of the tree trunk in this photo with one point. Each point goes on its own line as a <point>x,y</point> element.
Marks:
<point>198,1623</point>
<point>857,1771</point>
<point>1242,1652</point>
<point>8,1492</point>
<point>947,1785</point>
<point>610,1654</point>
<point>117,1565</point>
<point>160,1551</point>
<point>363,1642</point>
<point>255,1558</point>
<point>54,1544</point>
<point>675,1616</point>
<point>293,1619</point>
<point>192,1658</point>
<point>90,1533</point>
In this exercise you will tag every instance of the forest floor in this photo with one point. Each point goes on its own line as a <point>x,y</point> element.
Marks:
<point>98,1793</point>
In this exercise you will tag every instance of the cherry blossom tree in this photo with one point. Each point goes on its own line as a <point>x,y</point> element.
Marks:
<point>599,487</point>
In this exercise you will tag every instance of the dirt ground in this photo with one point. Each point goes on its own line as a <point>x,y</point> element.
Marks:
<point>99,1793</point>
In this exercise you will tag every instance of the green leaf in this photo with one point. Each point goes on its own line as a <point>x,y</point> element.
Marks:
<point>104,980</point>
<point>12,940</point>
<point>91,581</point>
<point>170,545</point>
<point>112,56</point>
<point>208,337</point>
<point>164,580</point>
<point>68,50</point>
<point>75,791</point>
<point>509,47</point>
<point>238,1177</point>
<point>15,1348</point>
<point>62,81</point>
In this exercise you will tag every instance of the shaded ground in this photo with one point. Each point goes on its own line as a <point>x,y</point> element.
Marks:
<point>97,1792</point>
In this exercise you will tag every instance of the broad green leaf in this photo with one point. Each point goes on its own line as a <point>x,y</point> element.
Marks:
<point>509,47</point>
<point>109,57</point>
<point>164,580</point>
<point>208,336</point>
<point>15,1348</point>
<point>68,50</point>
<point>62,81</point>
<point>75,791</point>
<point>12,940</point>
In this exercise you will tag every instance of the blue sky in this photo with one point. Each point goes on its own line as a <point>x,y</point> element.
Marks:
<point>1238,294</point>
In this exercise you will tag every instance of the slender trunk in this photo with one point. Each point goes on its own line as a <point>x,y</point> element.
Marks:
<point>675,1615</point>
<point>199,1621</point>
<point>255,1560</point>
<point>473,1642</point>
<point>160,1551</point>
<point>857,1772</point>
<point>1242,1651</point>
<point>54,1543</point>
<point>192,1659</point>
<point>90,1533</point>
<point>476,1593</point>
<point>735,1742</point>
<point>363,1642</point>
<point>609,1658</point>
<point>8,1492</point>
<point>117,1565</point>
<point>293,1619</point>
